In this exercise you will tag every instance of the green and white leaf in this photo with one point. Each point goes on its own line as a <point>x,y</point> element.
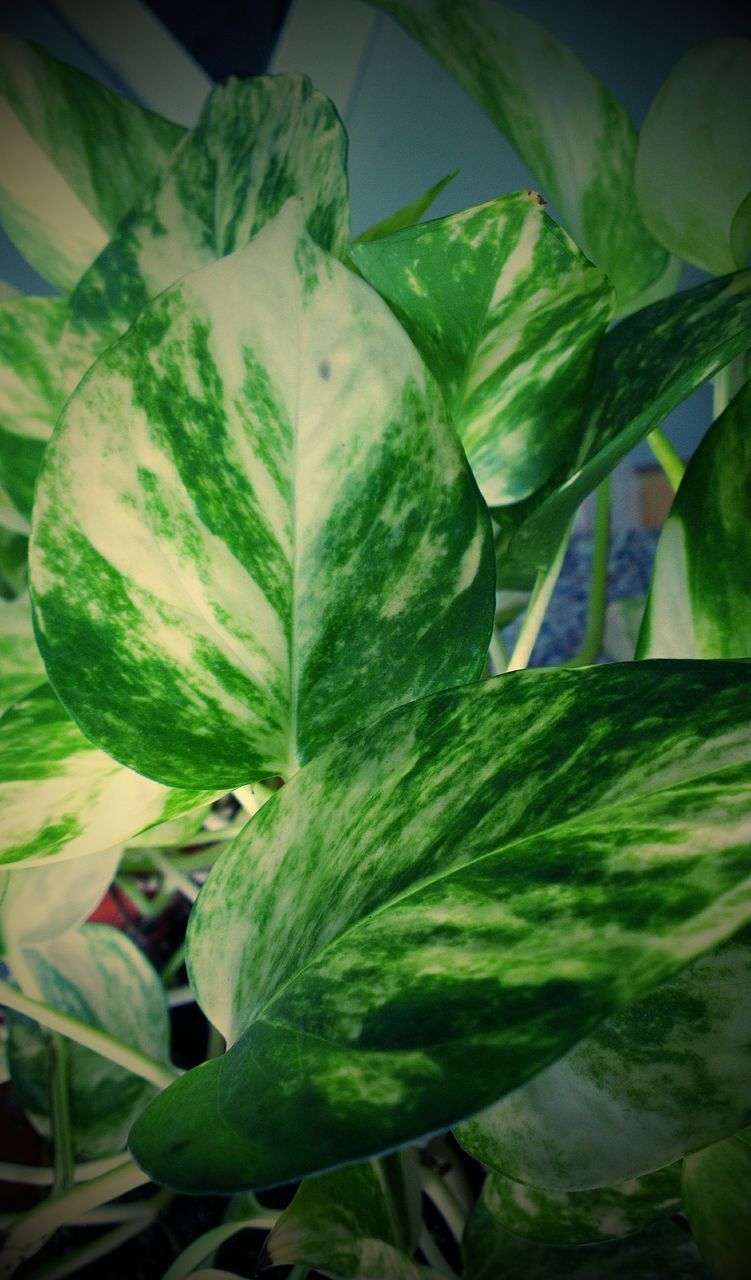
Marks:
<point>274,533</point>
<point>717,1197</point>
<point>663,1252</point>
<point>62,797</point>
<point>408,215</point>
<point>434,910</point>
<point>508,316</point>
<point>100,976</point>
<point>352,1223</point>
<point>257,143</point>
<point>21,667</point>
<point>38,903</point>
<point>30,393</point>
<point>552,1216</point>
<point>573,134</point>
<point>74,157</point>
<point>658,1079</point>
<point>699,602</point>
<point>647,365</point>
<point>693,164</point>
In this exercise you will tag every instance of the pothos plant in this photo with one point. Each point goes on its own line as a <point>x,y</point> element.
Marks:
<point>279,484</point>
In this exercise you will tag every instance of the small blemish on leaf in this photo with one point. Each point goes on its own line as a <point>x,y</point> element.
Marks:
<point>324,370</point>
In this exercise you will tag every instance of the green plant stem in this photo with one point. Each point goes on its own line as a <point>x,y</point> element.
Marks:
<point>598,591</point>
<point>727,383</point>
<point>173,877</point>
<point>158,1073</point>
<point>254,797</point>
<point>538,605</point>
<point>74,1262</point>
<point>180,995</point>
<point>44,1176</point>
<point>62,1135</point>
<point>173,965</point>
<point>433,1255</point>
<point>204,1246</point>
<point>667,457</point>
<point>445,1202</point>
<point>497,656</point>
<point>140,900</point>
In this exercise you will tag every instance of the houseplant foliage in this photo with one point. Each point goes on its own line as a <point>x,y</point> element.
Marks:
<point>271,479</point>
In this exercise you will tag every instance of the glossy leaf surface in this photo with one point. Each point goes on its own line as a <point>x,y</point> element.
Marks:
<point>74,157</point>
<point>100,976</point>
<point>658,1079</point>
<point>699,604</point>
<point>21,667</point>
<point>693,173</point>
<point>582,1217</point>
<point>257,143</point>
<point>717,1196</point>
<point>508,316</point>
<point>274,532</point>
<point>38,903</point>
<point>415,922</point>
<point>575,137</point>
<point>647,365</point>
<point>61,797</point>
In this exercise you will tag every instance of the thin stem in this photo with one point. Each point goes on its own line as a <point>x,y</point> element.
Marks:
<point>254,797</point>
<point>433,1255</point>
<point>445,1202</point>
<point>173,965</point>
<point>44,1176</point>
<point>141,901</point>
<point>180,995</point>
<point>173,877</point>
<point>158,1073</point>
<point>203,1247</point>
<point>73,1263</point>
<point>497,656</point>
<point>727,383</point>
<point>595,628</point>
<point>668,458</point>
<point>538,605</point>
<point>62,1135</point>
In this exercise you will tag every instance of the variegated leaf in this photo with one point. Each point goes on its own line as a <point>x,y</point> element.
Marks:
<point>435,909</point>
<point>38,903</point>
<point>61,797</point>
<point>100,976</point>
<point>655,1081</point>
<point>693,164</point>
<point>717,1197</point>
<point>352,1223</point>
<point>257,143</point>
<point>408,215</point>
<point>647,365</point>
<point>663,1252</point>
<point>31,393</point>
<point>74,157</point>
<point>699,604</point>
<point>552,1216</point>
<point>577,140</point>
<point>21,667</point>
<point>508,316</point>
<point>272,529</point>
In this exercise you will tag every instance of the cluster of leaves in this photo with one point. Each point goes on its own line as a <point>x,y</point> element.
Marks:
<point>273,479</point>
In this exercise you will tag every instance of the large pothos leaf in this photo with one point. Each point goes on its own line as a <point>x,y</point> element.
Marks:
<point>576,138</point>
<point>658,1079</point>
<point>717,1195</point>
<point>100,976</point>
<point>415,924</point>
<point>647,365</point>
<point>62,797</point>
<point>74,157</point>
<point>38,903</point>
<point>699,605</point>
<point>353,1223</point>
<point>693,173</point>
<point>552,1216</point>
<point>507,315</point>
<point>272,528</point>
<point>31,393</point>
<point>257,143</point>
<point>663,1252</point>
<point>21,667</point>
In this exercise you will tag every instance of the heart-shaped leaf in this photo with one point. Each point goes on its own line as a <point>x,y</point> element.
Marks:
<point>416,922</point>
<point>717,1197</point>
<point>655,1081</point>
<point>21,667</point>
<point>62,797</point>
<point>274,533</point>
<point>508,316</point>
<point>74,157</point>
<point>48,900</point>
<point>573,134</point>
<point>693,177</point>
<point>699,604</point>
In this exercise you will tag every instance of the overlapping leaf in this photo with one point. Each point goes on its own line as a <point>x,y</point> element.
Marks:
<point>575,137</point>
<point>408,215</point>
<point>61,797</point>
<point>717,1195</point>
<point>274,534</point>
<point>700,598</point>
<point>647,365</point>
<point>432,911</point>
<point>74,157</point>
<point>257,143</point>
<point>508,316</point>
<point>52,898</point>
<point>100,976</point>
<point>21,667</point>
<point>659,1079</point>
<point>693,172</point>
